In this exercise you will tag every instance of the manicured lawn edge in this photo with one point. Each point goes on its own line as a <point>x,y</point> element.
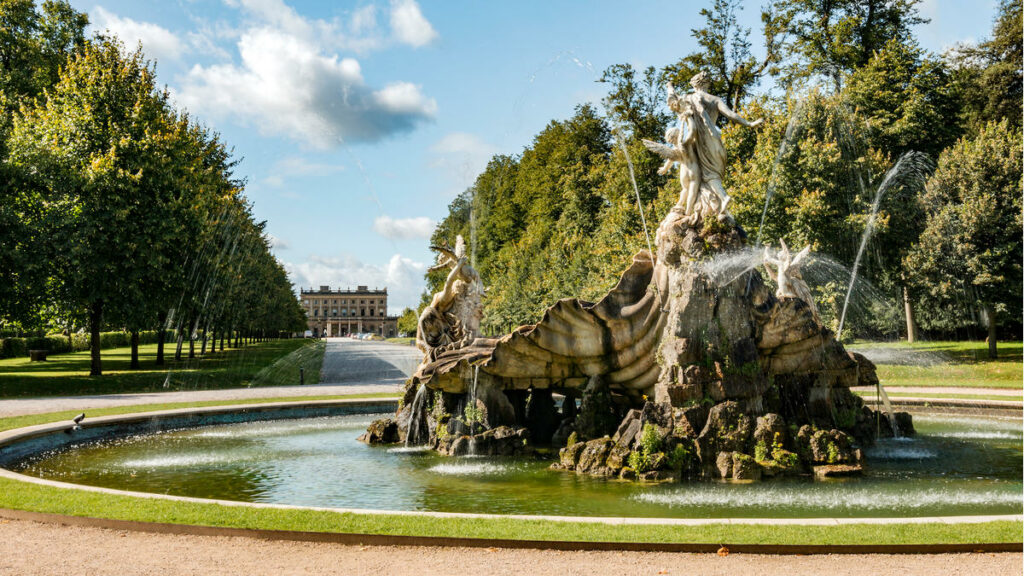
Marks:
<point>18,495</point>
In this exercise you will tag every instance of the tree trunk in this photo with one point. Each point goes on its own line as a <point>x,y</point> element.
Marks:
<point>222,340</point>
<point>160,337</point>
<point>191,346</point>
<point>95,320</point>
<point>990,317</point>
<point>135,350</point>
<point>180,341</point>
<point>908,309</point>
<point>202,349</point>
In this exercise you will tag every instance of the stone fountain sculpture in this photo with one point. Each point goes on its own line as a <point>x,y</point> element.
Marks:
<point>670,374</point>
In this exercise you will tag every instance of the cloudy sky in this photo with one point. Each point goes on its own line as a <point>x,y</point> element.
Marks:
<point>358,122</point>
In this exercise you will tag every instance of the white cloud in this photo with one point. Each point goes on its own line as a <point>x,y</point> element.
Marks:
<point>403,277</point>
<point>278,243</point>
<point>298,166</point>
<point>287,85</point>
<point>462,156</point>
<point>404,228</point>
<point>157,42</point>
<point>409,25</point>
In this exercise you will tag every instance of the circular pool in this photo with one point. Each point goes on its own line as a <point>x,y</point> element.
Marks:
<point>956,465</point>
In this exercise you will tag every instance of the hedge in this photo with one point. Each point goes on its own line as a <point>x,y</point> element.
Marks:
<point>59,344</point>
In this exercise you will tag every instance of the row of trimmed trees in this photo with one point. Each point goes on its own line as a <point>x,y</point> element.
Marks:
<point>117,210</point>
<point>561,220</point>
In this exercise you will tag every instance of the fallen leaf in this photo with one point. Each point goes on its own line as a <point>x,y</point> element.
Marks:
<point>723,551</point>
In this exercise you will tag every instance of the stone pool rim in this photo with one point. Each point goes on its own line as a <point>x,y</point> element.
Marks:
<point>16,435</point>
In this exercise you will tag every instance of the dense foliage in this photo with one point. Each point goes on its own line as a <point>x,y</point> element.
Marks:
<point>118,211</point>
<point>562,218</point>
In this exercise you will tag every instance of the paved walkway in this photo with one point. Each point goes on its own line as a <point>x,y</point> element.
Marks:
<point>928,390</point>
<point>350,367</point>
<point>348,360</point>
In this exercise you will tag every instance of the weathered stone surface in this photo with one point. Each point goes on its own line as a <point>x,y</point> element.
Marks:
<point>628,431</point>
<point>837,470</point>
<point>594,454</point>
<point>867,374</point>
<point>460,446</point>
<point>727,429</point>
<point>627,473</point>
<point>656,476</point>
<point>766,429</point>
<point>618,457</point>
<point>723,464</point>
<point>570,455</point>
<point>833,447</point>
<point>381,431</point>
<point>597,416</point>
<point>689,421</point>
<point>744,467</point>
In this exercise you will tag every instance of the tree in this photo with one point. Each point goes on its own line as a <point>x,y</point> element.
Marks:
<point>636,103</point>
<point>970,249</point>
<point>33,47</point>
<point>990,75</point>
<point>88,147</point>
<point>833,38</point>
<point>725,51</point>
<point>407,322</point>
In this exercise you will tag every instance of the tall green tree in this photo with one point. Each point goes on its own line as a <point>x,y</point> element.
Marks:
<point>725,51</point>
<point>970,250</point>
<point>835,37</point>
<point>991,75</point>
<point>88,147</point>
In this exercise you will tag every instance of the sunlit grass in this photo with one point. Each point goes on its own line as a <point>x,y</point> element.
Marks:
<point>262,364</point>
<point>967,365</point>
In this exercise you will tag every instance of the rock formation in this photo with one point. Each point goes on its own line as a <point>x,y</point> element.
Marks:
<point>678,375</point>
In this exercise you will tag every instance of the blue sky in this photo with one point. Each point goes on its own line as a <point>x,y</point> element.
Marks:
<point>358,122</point>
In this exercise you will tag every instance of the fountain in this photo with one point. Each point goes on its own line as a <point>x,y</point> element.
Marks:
<point>678,374</point>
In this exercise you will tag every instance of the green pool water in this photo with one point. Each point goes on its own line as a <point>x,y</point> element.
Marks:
<point>955,466</point>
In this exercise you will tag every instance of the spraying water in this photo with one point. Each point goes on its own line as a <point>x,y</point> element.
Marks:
<point>791,131</point>
<point>415,416</point>
<point>911,167</point>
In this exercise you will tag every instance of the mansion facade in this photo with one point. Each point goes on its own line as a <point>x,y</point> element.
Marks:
<point>343,312</point>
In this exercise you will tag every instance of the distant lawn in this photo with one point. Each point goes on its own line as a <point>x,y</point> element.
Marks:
<point>966,364</point>
<point>943,396</point>
<point>407,340</point>
<point>276,362</point>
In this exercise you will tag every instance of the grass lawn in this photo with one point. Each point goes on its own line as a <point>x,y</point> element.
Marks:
<point>942,395</point>
<point>276,362</point>
<point>408,341</point>
<point>965,364</point>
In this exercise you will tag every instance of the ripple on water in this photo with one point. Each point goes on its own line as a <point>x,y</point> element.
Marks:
<point>183,460</point>
<point>409,450</point>
<point>832,497</point>
<point>467,468</point>
<point>900,453</point>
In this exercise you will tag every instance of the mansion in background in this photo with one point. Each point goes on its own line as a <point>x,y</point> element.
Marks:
<point>343,312</point>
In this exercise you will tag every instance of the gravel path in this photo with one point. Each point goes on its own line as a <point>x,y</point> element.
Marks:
<point>29,549</point>
<point>350,367</point>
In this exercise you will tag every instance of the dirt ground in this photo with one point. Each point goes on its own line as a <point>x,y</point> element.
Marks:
<point>30,548</point>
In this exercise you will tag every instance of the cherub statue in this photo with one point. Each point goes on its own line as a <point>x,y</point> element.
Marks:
<point>681,150</point>
<point>452,320</point>
<point>787,275</point>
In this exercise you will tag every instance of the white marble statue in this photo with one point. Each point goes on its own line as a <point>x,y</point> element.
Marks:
<point>696,144</point>
<point>787,276</point>
<point>452,320</point>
